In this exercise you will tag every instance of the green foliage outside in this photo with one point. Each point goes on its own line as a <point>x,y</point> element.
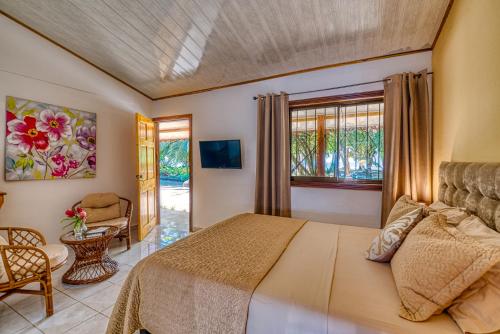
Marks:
<point>174,159</point>
<point>360,145</point>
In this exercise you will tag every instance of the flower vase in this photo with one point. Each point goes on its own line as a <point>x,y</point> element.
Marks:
<point>84,228</point>
<point>78,231</point>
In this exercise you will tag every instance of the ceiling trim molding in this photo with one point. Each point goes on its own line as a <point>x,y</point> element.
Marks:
<point>73,53</point>
<point>443,22</point>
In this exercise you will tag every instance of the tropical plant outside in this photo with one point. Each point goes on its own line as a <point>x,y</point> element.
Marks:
<point>174,160</point>
<point>360,152</point>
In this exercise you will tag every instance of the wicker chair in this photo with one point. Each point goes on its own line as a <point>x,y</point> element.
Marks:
<point>26,258</point>
<point>122,222</point>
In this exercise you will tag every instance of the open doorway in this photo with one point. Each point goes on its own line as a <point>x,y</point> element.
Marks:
<point>175,179</point>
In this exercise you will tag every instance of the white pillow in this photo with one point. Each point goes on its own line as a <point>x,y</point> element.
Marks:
<point>474,227</point>
<point>478,307</point>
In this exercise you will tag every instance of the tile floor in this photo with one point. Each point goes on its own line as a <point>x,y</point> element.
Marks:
<point>81,309</point>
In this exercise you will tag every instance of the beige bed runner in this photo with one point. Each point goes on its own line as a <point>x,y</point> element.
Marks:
<point>204,283</point>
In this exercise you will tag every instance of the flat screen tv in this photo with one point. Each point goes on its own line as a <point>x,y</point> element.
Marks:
<point>220,154</point>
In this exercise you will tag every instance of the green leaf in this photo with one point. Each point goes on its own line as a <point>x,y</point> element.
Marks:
<point>79,122</point>
<point>24,163</point>
<point>11,104</point>
<point>68,112</point>
<point>28,112</point>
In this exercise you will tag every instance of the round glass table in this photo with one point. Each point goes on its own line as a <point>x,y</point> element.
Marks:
<point>92,262</point>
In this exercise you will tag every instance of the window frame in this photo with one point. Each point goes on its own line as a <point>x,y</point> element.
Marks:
<point>326,101</point>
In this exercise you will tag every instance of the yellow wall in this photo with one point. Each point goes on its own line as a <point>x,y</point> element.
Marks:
<point>466,65</point>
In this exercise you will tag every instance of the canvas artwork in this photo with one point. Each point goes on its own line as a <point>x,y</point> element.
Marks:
<point>45,142</point>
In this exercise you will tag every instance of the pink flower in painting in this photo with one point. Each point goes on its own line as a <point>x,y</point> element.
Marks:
<point>73,164</point>
<point>63,166</point>
<point>91,161</point>
<point>59,159</point>
<point>25,135</point>
<point>56,125</point>
<point>60,171</point>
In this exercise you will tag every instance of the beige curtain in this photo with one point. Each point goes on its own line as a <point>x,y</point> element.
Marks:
<point>272,189</point>
<point>407,140</point>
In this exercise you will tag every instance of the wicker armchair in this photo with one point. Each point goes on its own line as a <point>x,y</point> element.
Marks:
<point>122,222</point>
<point>26,258</point>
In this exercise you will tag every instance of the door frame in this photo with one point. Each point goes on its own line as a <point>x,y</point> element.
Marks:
<point>157,120</point>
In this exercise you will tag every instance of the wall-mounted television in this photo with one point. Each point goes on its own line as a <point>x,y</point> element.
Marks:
<point>220,154</point>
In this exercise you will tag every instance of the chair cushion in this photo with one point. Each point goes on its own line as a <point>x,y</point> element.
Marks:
<point>3,274</point>
<point>99,200</point>
<point>120,222</point>
<point>57,254</point>
<point>95,215</point>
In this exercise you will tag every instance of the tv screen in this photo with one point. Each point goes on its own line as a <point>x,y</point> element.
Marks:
<point>220,154</point>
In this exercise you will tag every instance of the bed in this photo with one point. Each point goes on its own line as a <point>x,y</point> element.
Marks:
<point>318,280</point>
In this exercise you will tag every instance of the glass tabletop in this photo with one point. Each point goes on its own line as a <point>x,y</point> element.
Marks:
<point>93,234</point>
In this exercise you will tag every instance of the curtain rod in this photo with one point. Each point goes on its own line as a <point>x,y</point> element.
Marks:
<point>340,87</point>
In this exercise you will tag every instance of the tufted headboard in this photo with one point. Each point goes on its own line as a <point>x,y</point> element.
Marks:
<point>474,186</point>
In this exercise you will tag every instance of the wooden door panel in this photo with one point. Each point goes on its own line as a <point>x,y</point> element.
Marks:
<point>146,175</point>
<point>151,162</point>
<point>152,205</point>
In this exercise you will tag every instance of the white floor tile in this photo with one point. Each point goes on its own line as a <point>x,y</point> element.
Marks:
<point>68,318</point>
<point>104,299</point>
<point>95,325</point>
<point>80,292</point>
<point>33,307</point>
<point>107,312</point>
<point>121,275</point>
<point>30,330</point>
<point>10,321</point>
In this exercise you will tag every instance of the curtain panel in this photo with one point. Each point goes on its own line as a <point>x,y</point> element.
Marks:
<point>407,140</point>
<point>272,187</point>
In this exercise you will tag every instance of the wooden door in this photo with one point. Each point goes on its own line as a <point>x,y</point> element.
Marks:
<point>146,175</point>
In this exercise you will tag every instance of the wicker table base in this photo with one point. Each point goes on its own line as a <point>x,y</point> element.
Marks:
<point>92,262</point>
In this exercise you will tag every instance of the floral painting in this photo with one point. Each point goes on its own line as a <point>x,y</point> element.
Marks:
<point>45,142</point>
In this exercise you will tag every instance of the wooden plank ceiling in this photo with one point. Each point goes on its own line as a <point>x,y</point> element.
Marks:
<point>169,47</point>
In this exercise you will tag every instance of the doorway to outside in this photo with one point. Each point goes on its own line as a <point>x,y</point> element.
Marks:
<point>174,176</point>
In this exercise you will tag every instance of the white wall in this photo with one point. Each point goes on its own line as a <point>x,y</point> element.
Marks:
<point>231,114</point>
<point>41,204</point>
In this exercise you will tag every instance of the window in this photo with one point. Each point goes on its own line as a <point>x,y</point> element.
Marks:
<point>338,141</point>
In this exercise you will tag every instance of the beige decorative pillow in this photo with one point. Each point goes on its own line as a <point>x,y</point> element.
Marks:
<point>477,310</point>
<point>391,236</point>
<point>402,206</point>
<point>454,215</point>
<point>3,274</point>
<point>99,200</point>
<point>95,215</point>
<point>435,264</point>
